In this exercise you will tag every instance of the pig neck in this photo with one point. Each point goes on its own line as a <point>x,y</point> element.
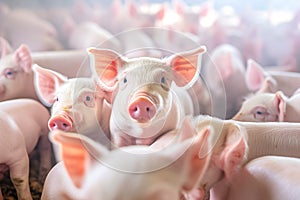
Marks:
<point>288,82</point>
<point>271,138</point>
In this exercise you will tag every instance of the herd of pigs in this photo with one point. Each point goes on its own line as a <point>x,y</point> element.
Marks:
<point>133,107</point>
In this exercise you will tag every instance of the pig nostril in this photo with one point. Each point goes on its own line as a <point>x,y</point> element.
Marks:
<point>135,109</point>
<point>65,125</point>
<point>148,109</point>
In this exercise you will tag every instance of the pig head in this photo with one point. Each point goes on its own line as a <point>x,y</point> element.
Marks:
<point>150,95</point>
<point>99,174</point>
<point>78,104</point>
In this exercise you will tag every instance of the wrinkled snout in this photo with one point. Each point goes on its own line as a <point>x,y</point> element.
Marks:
<point>142,110</point>
<point>60,122</point>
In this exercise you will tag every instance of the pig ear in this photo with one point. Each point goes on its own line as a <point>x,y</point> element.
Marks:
<point>268,85</point>
<point>280,104</point>
<point>107,95</point>
<point>255,75</point>
<point>23,58</point>
<point>186,66</point>
<point>5,47</point>
<point>76,152</point>
<point>194,156</point>
<point>46,82</point>
<point>235,149</point>
<point>105,65</point>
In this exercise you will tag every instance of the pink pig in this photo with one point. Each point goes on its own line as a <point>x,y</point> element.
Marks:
<point>233,144</point>
<point>23,123</point>
<point>95,173</point>
<point>20,26</point>
<point>264,107</point>
<point>78,105</point>
<point>17,75</point>
<point>260,80</point>
<point>268,177</point>
<point>146,103</point>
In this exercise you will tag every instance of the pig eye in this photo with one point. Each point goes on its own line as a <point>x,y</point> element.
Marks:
<point>125,80</point>
<point>56,99</point>
<point>88,99</point>
<point>163,80</point>
<point>260,113</point>
<point>10,73</point>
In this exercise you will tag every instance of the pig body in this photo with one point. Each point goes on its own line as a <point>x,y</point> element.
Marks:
<point>17,74</point>
<point>146,103</point>
<point>268,177</point>
<point>28,28</point>
<point>78,105</point>
<point>260,80</point>
<point>270,107</point>
<point>236,143</point>
<point>20,134</point>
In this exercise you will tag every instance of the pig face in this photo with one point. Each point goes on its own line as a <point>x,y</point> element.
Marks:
<point>15,75</point>
<point>263,107</point>
<point>143,88</point>
<point>76,103</point>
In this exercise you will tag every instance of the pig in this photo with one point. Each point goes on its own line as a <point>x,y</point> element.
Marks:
<point>21,26</point>
<point>268,177</point>
<point>268,107</point>
<point>234,144</point>
<point>23,124</point>
<point>224,74</point>
<point>17,75</point>
<point>146,102</point>
<point>77,104</point>
<point>5,47</point>
<point>260,80</point>
<point>98,173</point>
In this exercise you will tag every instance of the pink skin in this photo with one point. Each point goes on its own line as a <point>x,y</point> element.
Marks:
<point>268,107</point>
<point>145,83</point>
<point>148,177</point>
<point>268,177</point>
<point>222,72</point>
<point>78,105</point>
<point>28,28</point>
<point>260,80</point>
<point>17,75</point>
<point>21,135</point>
<point>236,143</point>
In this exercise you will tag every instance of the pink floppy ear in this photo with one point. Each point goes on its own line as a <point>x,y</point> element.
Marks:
<point>280,104</point>
<point>235,149</point>
<point>46,82</point>
<point>23,58</point>
<point>255,75</point>
<point>105,65</point>
<point>76,152</point>
<point>186,66</point>
<point>193,156</point>
<point>5,47</point>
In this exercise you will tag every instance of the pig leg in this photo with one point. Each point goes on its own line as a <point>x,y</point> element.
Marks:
<point>19,174</point>
<point>44,147</point>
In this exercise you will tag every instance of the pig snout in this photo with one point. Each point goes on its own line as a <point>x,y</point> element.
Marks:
<point>142,110</point>
<point>60,122</point>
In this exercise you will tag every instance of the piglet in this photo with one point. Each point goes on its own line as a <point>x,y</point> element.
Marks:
<point>260,80</point>
<point>146,101</point>
<point>17,75</point>
<point>268,107</point>
<point>78,104</point>
<point>23,124</point>
<point>95,173</point>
